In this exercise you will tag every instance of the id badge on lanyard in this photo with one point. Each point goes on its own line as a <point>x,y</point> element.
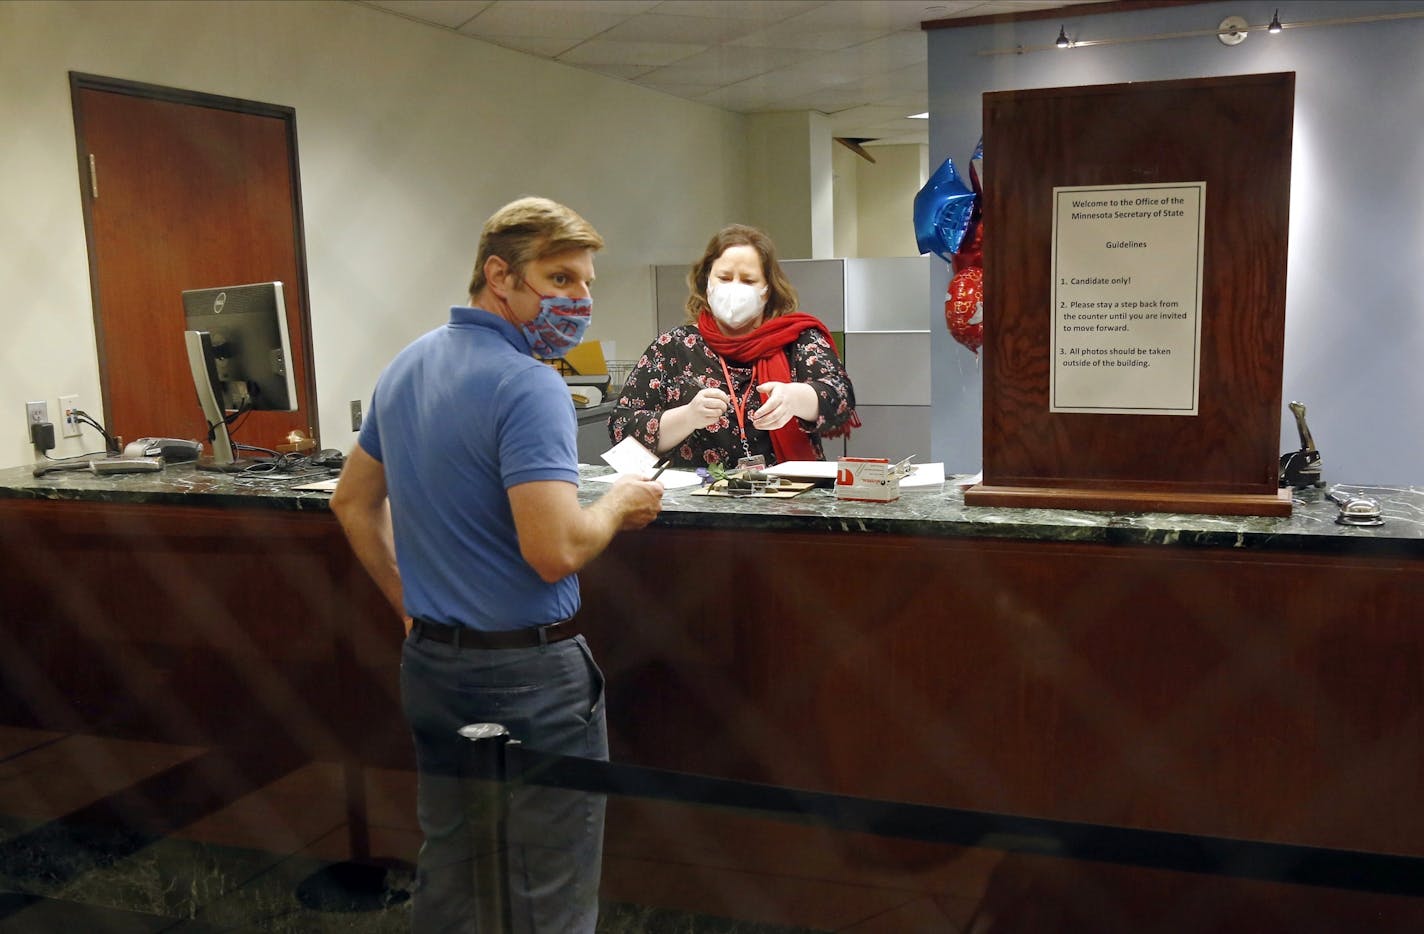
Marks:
<point>740,408</point>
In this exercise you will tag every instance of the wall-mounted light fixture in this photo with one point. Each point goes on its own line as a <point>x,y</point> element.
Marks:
<point>1231,31</point>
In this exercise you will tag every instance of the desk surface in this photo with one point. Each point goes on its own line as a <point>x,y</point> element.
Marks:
<point>936,512</point>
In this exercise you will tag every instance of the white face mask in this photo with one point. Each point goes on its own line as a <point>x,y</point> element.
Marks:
<point>735,303</point>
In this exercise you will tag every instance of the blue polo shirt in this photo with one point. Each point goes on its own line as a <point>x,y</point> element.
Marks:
<point>457,418</point>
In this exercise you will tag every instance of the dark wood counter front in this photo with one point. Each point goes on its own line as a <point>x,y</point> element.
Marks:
<point>1260,696</point>
<point>1242,677</point>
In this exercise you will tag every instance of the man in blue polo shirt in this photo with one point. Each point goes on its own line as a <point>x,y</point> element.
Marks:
<point>460,499</point>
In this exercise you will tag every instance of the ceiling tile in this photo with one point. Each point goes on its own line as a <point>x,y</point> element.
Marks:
<point>889,52</point>
<point>826,100</point>
<point>622,8</point>
<point>624,72</point>
<point>824,39</point>
<point>862,62</point>
<point>736,97</point>
<point>883,15</point>
<point>676,88</point>
<point>727,65</point>
<point>512,18</point>
<point>864,115</point>
<point>912,79</point>
<point>541,46</point>
<point>654,27</point>
<point>756,12</point>
<point>649,55</point>
<point>448,13</point>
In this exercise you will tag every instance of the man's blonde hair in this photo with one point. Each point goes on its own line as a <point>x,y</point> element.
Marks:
<point>527,230</point>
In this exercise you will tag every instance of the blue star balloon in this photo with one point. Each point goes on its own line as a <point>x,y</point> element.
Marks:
<point>942,212</point>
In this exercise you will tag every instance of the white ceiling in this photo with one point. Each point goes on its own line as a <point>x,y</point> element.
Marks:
<point>860,62</point>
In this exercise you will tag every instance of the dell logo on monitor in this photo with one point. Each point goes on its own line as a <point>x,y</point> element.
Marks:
<point>219,302</point>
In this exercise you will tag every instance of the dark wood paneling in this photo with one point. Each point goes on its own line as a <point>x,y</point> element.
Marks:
<point>1233,133</point>
<point>197,626</point>
<point>1238,694</point>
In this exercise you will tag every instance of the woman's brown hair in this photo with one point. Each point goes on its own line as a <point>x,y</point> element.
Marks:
<point>780,293</point>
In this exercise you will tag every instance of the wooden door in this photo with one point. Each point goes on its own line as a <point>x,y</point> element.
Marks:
<point>183,191</point>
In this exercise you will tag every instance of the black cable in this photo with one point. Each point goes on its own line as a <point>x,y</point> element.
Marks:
<point>289,462</point>
<point>253,447</point>
<point>228,422</point>
<point>110,445</point>
<point>76,457</point>
<point>242,412</point>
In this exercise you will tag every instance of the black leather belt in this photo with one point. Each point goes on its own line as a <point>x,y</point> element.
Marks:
<point>463,637</point>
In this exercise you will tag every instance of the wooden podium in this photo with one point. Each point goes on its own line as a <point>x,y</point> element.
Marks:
<point>1066,160</point>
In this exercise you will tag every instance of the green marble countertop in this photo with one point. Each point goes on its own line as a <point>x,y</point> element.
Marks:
<point>935,512</point>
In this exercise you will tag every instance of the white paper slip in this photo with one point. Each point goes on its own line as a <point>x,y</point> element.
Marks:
<point>630,457</point>
<point>803,470</point>
<point>670,479</point>
<point>970,479</point>
<point>921,475</point>
<point>321,485</point>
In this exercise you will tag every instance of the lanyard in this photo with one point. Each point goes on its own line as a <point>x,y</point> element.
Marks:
<point>740,407</point>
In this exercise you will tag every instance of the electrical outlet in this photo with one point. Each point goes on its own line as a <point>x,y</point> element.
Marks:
<point>69,427</point>
<point>35,413</point>
<point>355,414</point>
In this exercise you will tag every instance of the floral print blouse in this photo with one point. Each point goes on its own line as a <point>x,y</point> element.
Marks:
<point>679,363</point>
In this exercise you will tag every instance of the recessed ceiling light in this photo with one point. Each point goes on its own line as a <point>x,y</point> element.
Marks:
<point>923,116</point>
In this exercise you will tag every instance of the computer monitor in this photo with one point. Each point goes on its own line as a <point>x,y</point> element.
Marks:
<point>240,357</point>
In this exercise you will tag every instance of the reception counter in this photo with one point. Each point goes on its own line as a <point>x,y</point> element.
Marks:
<point>1235,676</point>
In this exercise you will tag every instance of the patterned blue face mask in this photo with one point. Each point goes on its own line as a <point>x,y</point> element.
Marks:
<point>560,324</point>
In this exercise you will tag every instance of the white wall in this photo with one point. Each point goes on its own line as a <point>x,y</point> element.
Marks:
<point>408,136</point>
<point>1354,307</point>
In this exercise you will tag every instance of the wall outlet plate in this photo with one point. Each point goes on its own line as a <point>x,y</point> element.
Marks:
<point>35,413</point>
<point>70,426</point>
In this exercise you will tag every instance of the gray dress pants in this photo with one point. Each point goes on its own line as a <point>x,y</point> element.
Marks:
<point>550,698</point>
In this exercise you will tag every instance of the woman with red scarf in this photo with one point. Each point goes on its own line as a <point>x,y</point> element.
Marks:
<point>747,375</point>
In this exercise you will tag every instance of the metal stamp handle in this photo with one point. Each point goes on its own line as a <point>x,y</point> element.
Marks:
<point>1307,443</point>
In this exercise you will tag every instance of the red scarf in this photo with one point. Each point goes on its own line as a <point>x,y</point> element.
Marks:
<point>765,348</point>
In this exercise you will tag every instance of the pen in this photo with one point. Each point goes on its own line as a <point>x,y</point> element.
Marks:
<point>661,467</point>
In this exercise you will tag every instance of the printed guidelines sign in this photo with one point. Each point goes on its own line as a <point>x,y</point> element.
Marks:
<point>1127,297</point>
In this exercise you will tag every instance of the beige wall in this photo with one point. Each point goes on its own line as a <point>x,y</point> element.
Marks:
<point>844,171</point>
<point>885,198</point>
<point>406,145</point>
<point>789,182</point>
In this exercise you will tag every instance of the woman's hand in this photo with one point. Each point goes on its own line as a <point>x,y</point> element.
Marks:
<point>707,407</point>
<point>703,411</point>
<point>785,401</point>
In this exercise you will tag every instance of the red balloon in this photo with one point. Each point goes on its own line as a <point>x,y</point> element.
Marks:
<point>972,252</point>
<point>964,307</point>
